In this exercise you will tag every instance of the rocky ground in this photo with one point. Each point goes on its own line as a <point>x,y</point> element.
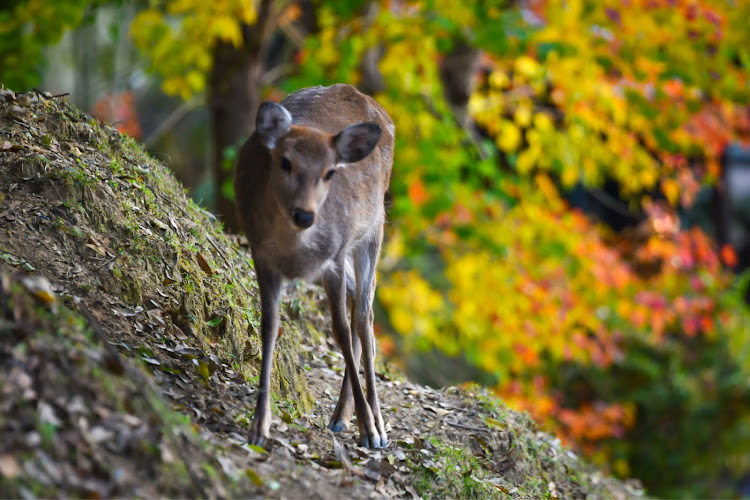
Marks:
<point>129,353</point>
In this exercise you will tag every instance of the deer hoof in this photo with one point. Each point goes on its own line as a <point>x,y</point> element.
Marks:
<point>374,441</point>
<point>257,440</point>
<point>339,426</point>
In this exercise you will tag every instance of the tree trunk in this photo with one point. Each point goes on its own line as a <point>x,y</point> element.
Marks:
<point>234,97</point>
<point>457,74</point>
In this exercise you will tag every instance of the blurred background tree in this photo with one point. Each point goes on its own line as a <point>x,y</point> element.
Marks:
<point>561,228</point>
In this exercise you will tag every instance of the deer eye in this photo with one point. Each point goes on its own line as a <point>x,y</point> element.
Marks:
<point>286,165</point>
<point>328,175</point>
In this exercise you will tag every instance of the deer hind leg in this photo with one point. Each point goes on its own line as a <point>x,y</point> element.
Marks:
<point>365,263</point>
<point>344,411</point>
<point>370,435</point>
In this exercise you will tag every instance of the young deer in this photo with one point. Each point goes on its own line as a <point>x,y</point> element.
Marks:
<point>310,186</point>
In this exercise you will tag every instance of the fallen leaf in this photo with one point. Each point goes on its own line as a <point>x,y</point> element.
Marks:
<point>440,412</point>
<point>127,312</point>
<point>412,491</point>
<point>214,322</point>
<point>97,249</point>
<point>99,434</point>
<point>151,361</point>
<point>491,422</point>
<point>256,448</point>
<point>203,264</point>
<point>159,224</point>
<point>254,477</point>
<point>202,368</point>
<point>339,450</point>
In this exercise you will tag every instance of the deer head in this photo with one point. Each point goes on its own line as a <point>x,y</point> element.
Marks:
<point>304,160</point>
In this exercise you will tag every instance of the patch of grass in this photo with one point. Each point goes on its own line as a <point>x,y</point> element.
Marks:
<point>451,472</point>
<point>78,175</point>
<point>287,408</point>
<point>489,403</point>
<point>116,166</point>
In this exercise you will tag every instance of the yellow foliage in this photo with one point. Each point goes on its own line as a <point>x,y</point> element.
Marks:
<point>527,67</point>
<point>179,44</point>
<point>226,29</point>
<point>542,122</point>
<point>671,190</point>
<point>509,137</point>
<point>526,161</point>
<point>413,306</point>
<point>522,116</point>
<point>499,79</point>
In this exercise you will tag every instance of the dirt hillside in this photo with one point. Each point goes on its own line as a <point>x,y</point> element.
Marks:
<point>129,352</point>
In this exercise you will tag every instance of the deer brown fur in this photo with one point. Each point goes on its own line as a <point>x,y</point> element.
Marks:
<point>310,186</point>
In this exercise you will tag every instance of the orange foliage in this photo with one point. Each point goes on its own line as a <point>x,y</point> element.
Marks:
<point>119,111</point>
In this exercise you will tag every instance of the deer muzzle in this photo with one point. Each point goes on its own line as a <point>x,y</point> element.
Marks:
<point>302,218</point>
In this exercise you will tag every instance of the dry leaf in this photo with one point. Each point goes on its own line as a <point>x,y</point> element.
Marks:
<point>339,450</point>
<point>97,249</point>
<point>440,412</point>
<point>203,264</point>
<point>127,312</point>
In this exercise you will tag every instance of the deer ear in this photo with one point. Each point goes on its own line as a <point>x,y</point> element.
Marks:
<point>273,122</point>
<point>356,141</point>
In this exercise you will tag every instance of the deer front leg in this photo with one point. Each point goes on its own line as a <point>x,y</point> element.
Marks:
<point>336,291</point>
<point>270,288</point>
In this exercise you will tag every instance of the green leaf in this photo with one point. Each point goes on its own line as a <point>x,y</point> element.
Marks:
<point>202,368</point>
<point>493,423</point>
<point>252,475</point>
<point>214,322</point>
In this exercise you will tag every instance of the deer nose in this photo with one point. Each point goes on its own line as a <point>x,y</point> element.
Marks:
<point>302,218</point>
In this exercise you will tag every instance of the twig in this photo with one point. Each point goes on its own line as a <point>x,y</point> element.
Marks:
<point>19,122</point>
<point>277,73</point>
<point>109,261</point>
<point>467,427</point>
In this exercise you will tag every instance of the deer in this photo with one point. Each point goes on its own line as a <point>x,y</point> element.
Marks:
<point>310,186</point>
